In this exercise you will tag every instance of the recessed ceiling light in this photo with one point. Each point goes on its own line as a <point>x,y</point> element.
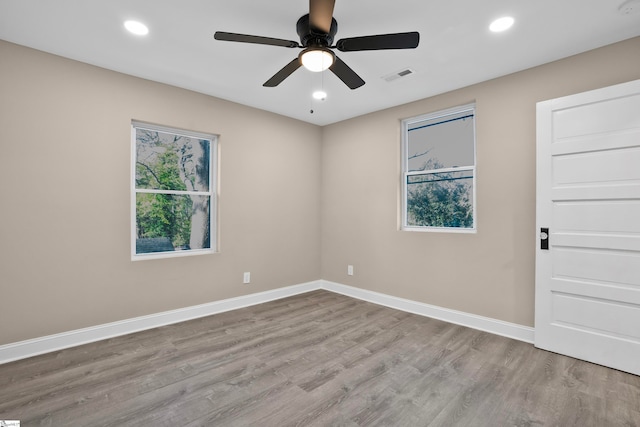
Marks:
<point>501,24</point>
<point>136,27</point>
<point>319,94</point>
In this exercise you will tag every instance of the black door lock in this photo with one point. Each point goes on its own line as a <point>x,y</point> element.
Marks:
<point>544,239</point>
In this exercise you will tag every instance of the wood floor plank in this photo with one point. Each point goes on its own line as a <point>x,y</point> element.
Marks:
<point>314,359</point>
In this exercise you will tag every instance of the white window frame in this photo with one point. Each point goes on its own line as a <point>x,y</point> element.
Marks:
<point>405,126</point>
<point>212,193</point>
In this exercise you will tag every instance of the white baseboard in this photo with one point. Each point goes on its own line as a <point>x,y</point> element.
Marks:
<point>36,346</point>
<point>487,324</point>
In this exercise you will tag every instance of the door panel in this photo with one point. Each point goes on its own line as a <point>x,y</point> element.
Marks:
<point>604,266</point>
<point>608,216</point>
<point>593,315</point>
<point>613,115</point>
<point>606,166</point>
<point>588,195</point>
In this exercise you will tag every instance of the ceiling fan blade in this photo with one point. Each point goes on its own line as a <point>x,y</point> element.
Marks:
<point>321,14</point>
<point>285,72</point>
<point>382,41</point>
<point>346,74</point>
<point>245,38</point>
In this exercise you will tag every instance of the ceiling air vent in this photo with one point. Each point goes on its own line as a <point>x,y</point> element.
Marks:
<point>629,7</point>
<point>398,74</point>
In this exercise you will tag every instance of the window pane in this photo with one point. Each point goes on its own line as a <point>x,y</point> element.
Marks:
<point>168,222</point>
<point>443,142</point>
<point>440,200</point>
<point>166,161</point>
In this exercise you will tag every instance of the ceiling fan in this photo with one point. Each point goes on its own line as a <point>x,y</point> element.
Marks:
<point>316,31</point>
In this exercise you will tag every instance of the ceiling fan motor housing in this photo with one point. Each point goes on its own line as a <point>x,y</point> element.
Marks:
<point>313,37</point>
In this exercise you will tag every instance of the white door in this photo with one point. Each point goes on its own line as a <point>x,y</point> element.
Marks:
<point>588,196</point>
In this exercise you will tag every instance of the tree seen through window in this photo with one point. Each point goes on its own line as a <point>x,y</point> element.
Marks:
<point>439,170</point>
<point>172,191</point>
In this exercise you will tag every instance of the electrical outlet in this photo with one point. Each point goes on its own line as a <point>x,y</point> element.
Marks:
<point>246,278</point>
<point>350,270</point>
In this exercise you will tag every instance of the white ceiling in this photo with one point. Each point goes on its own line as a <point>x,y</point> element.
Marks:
<point>456,48</point>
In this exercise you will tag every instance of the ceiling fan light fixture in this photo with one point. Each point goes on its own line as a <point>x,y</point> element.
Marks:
<point>317,59</point>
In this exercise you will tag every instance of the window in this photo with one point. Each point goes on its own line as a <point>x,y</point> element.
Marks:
<point>173,192</point>
<point>439,171</point>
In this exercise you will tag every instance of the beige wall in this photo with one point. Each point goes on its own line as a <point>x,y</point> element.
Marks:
<point>490,273</point>
<point>298,202</point>
<point>65,182</point>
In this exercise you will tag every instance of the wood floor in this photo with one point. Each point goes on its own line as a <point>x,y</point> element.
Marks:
<point>316,359</point>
